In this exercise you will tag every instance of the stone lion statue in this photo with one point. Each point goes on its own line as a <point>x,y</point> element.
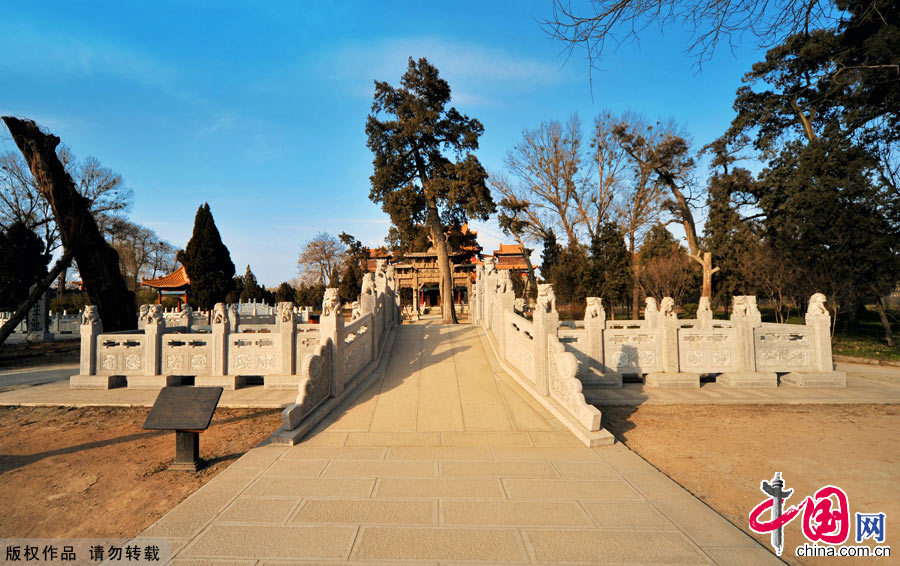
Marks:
<point>380,268</point>
<point>817,305</point>
<point>490,267</point>
<point>594,309</point>
<point>744,305</point>
<point>154,315</point>
<point>546,298</point>
<point>368,285</point>
<point>143,311</point>
<point>90,314</point>
<point>219,313</point>
<point>355,311</point>
<point>667,307</point>
<point>331,301</point>
<point>504,282</point>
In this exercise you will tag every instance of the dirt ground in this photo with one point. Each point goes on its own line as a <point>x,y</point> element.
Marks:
<point>24,354</point>
<point>94,472</point>
<point>720,453</point>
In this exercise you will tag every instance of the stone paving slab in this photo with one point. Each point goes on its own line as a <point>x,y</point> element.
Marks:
<point>387,491</point>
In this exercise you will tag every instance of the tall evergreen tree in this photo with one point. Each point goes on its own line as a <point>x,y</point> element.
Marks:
<point>207,262</point>
<point>251,291</point>
<point>23,263</point>
<point>285,293</point>
<point>611,273</point>
<point>409,131</point>
<point>355,262</point>
<point>550,255</point>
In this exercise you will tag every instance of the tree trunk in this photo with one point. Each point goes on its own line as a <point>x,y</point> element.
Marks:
<point>97,261</point>
<point>448,313</point>
<point>33,296</point>
<point>888,333</point>
<point>635,280</point>
<point>708,270</point>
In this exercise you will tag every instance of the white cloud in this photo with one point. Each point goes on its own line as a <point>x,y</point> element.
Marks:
<point>476,73</point>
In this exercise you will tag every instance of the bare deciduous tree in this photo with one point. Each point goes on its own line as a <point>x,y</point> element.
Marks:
<point>321,259</point>
<point>141,252</point>
<point>711,22</point>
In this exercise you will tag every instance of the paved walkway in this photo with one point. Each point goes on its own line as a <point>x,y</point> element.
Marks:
<point>446,459</point>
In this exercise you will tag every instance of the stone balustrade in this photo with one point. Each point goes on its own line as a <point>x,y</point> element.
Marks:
<point>672,352</point>
<point>346,354</point>
<point>533,353</point>
<point>220,348</point>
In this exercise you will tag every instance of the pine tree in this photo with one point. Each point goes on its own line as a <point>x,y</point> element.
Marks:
<point>550,255</point>
<point>611,272</point>
<point>424,168</point>
<point>251,291</point>
<point>285,293</point>
<point>22,264</point>
<point>207,262</point>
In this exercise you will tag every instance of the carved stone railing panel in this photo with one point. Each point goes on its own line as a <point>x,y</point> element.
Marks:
<point>783,347</point>
<point>254,354</point>
<point>120,353</point>
<point>707,351</point>
<point>575,340</point>
<point>633,351</point>
<point>519,335</point>
<point>187,354</point>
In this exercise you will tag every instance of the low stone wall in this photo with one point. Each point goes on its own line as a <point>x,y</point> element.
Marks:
<point>534,354</point>
<point>345,356</point>
<point>673,352</point>
<point>220,348</point>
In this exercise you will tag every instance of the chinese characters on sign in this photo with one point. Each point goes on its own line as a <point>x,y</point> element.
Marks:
<point>825,519</point>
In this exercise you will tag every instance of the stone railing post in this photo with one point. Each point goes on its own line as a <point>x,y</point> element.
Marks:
<point>91,327</point>
<point>822,373</point>
<point>704,314</point>
<point>745,317</point>
<point>331,327</point>
<point>286,327</point>
<point>546,323</point>
<point>666,320</point>
<point>154,328</point>
<point>221,326</point>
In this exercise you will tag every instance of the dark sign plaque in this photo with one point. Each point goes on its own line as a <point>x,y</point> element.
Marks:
<point>183,408</point>
<point>187,411</point>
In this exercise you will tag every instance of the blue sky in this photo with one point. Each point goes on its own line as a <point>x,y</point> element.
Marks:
<point>259,108</point>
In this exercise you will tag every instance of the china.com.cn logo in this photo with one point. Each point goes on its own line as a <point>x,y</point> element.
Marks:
<point>826,516</point>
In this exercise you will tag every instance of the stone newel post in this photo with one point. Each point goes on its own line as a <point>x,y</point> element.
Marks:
<point>504,300</point>
<point>745,316</point>
<point>220,325</point>
<point>331,327</point>
<point>154,328</point>
<point>91,327</point>
<point>287,331</point>
<point>821,372</point>
<point>546,323</point>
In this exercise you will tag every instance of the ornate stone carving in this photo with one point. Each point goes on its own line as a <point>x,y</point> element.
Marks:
<point>817,306</point>
<point>504,282</point>
<point>109,362</point>
<point>219,314</point>
<point>667,308</point>
<point>704,312</point>
<point>355,311</point>
<point>546,298</point>
<point>286,312</point>
<point>567,389</point>
<point>198,362</point>
<point>143,311</point>
<point>174,361</point>
<point>594,309</point>
<point>331,301</point>
<point>90,315</point>
<point>744,306</point>
<point>490,266</point>
<point>368,285</point>
<point>154,315</point>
